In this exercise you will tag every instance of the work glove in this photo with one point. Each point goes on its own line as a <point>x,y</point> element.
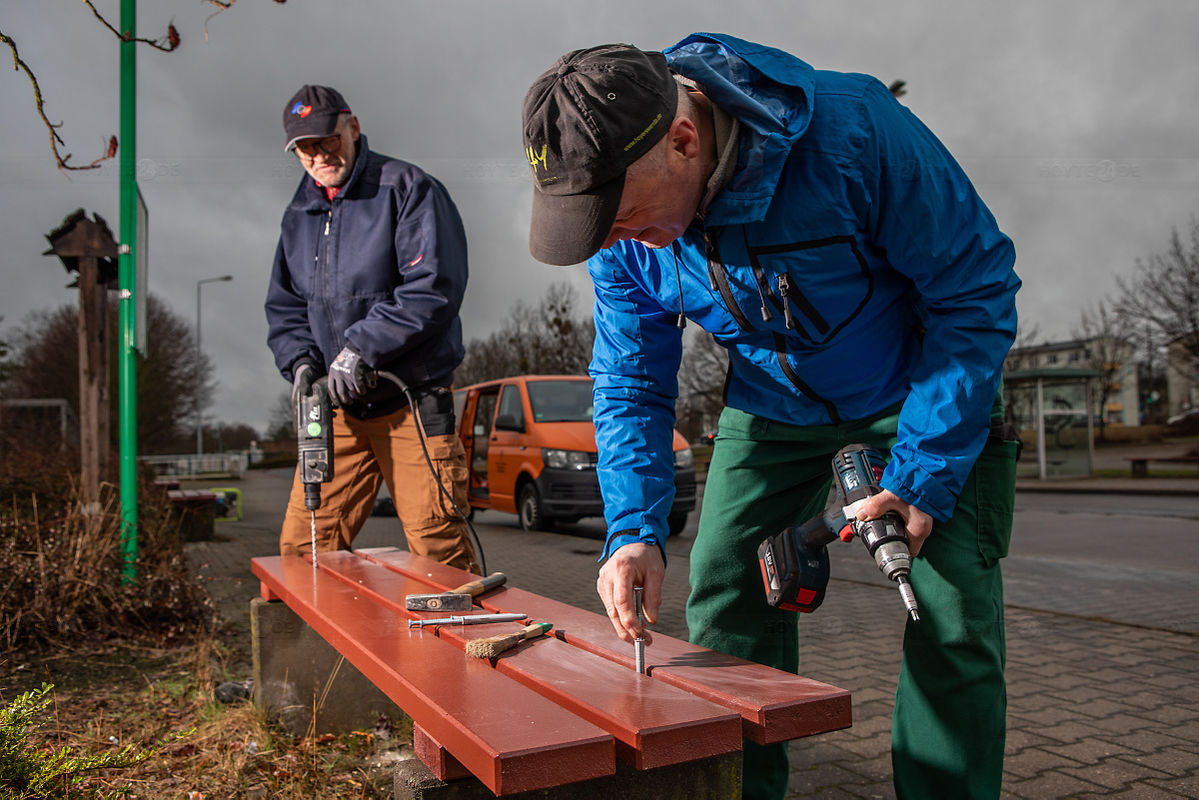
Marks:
<point>303,373</point>
<point>347,377</point>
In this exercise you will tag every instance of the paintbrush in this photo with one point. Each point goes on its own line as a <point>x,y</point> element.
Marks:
<point>492,646</point>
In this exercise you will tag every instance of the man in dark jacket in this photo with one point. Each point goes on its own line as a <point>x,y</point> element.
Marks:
<point>369,274</point>
<point>821,234</point>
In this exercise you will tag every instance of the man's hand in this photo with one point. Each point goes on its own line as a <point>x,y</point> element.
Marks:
<point>303,374</point>
<point>347,377</point>
<point>635,564</point>
<point>919,524</point>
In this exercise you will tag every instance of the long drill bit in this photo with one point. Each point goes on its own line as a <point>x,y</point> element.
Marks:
<point>639,642</point>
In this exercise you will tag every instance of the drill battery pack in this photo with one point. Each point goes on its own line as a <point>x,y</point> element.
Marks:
<point>794,570</point>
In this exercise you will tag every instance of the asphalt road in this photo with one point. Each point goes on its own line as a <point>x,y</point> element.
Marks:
<point>1093,555</point>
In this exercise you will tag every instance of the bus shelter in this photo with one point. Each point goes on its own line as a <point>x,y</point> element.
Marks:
<point>1053,408</point>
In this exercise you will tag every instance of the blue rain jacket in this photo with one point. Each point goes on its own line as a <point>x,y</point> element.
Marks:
<point>381,267</point>
<point>848,267</point>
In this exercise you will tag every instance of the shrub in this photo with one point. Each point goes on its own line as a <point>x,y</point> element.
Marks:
<point>62,580</point>
<point>29,771</point>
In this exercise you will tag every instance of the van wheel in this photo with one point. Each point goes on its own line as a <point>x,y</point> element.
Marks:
<point>532,512</point>
<point>676,523</point>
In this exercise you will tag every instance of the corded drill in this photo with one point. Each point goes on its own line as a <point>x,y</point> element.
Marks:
<point>795,564</point>
<point>314,442</point>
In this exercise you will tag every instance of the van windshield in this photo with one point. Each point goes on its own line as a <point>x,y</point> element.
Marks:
<point>560,401</point>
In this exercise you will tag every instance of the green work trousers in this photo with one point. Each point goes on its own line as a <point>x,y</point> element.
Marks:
<point>947,734</point>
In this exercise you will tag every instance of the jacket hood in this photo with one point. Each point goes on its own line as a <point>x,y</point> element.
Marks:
<point>770,92</point>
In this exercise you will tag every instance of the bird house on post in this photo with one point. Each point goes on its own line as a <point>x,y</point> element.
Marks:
<point>86,247</point>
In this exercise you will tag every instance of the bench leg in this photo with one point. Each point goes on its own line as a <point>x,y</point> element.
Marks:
<point>303,683</point>
<point>1140,469</point>
<point>715,778</point>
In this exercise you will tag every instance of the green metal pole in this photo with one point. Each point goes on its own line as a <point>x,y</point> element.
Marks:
<point>127,280</point>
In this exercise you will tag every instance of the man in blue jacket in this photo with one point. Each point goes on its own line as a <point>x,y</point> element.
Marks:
<point>822,234</point>
<point>369,275</point>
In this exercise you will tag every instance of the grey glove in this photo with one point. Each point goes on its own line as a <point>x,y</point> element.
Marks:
<point>347,377</point>
<point>303,373</point>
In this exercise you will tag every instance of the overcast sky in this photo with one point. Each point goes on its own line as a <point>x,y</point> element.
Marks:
<point>1078,122</point>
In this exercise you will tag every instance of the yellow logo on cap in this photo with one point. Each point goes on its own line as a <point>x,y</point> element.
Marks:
<point>536,158</point>
<point>652,124</point>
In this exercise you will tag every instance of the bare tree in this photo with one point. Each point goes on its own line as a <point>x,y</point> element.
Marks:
<point>552,338</point>
<point>166,43</point>
<point>46,365</point>
<point>1161,302</point>
<point>701,385</point>
<point>1027,334</point>
<point>1107,351</point>
<point>280,424</point>
<point>5,366</point>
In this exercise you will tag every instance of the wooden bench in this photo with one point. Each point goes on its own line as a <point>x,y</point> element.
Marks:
<point>555,710</point>
<point>1140,464</point>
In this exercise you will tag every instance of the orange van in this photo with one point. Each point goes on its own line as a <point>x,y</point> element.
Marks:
<point>530,443</point>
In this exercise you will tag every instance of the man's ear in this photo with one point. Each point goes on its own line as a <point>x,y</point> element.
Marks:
<point>683,137</point>
<point>354,127</point>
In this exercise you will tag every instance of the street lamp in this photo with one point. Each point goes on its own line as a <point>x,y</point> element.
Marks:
<point>196,381</point>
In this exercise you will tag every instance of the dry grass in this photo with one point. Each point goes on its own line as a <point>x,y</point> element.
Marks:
<point>126,694</point>
<point>62,580</point>
<point>137,664</point>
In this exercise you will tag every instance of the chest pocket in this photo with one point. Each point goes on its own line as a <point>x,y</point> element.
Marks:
<point>819,286</point>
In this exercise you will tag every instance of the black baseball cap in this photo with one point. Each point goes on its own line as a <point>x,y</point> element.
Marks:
<point>586,120</point>
<point>312,112</point>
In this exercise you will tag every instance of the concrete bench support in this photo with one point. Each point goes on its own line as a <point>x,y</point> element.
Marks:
<point>305,685</point>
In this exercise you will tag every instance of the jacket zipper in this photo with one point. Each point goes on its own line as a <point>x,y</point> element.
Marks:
<point>791,294</point>
<point>784,282</point>
<point>780,352</point>
<point>719,281</point>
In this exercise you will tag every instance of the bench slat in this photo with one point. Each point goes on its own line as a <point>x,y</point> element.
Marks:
<point>654,724</point>
<point>774,706</point>
<point>511,738</point>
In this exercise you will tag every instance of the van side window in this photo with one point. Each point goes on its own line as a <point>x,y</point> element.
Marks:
<point>511,414</point>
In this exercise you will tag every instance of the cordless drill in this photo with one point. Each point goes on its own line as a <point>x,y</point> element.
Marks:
<point>314,441</point>
<point>795,562</point>
<point>857,470</point>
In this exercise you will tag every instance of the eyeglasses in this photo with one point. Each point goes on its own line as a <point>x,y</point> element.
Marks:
<point>308,148</point>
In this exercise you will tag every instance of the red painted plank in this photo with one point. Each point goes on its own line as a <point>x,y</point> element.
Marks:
<point>654,724</point>
<point>774,705</point>
<point>511,738</point>
<point>441,762</point>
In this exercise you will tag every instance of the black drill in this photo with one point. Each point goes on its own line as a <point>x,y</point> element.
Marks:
<point>314,441</point>
<point>857,470</point>
<point>795,562</point>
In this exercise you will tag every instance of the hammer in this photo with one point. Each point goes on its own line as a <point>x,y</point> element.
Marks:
<point>459,599</point>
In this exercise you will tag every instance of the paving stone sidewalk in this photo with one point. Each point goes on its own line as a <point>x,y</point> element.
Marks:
<point>1097,708</point>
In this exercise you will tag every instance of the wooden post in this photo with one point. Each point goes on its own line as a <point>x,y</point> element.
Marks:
<point>93,381</point>
<point>87,248</point>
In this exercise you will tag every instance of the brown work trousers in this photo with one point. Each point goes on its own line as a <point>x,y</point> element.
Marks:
<point>368,452</point>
